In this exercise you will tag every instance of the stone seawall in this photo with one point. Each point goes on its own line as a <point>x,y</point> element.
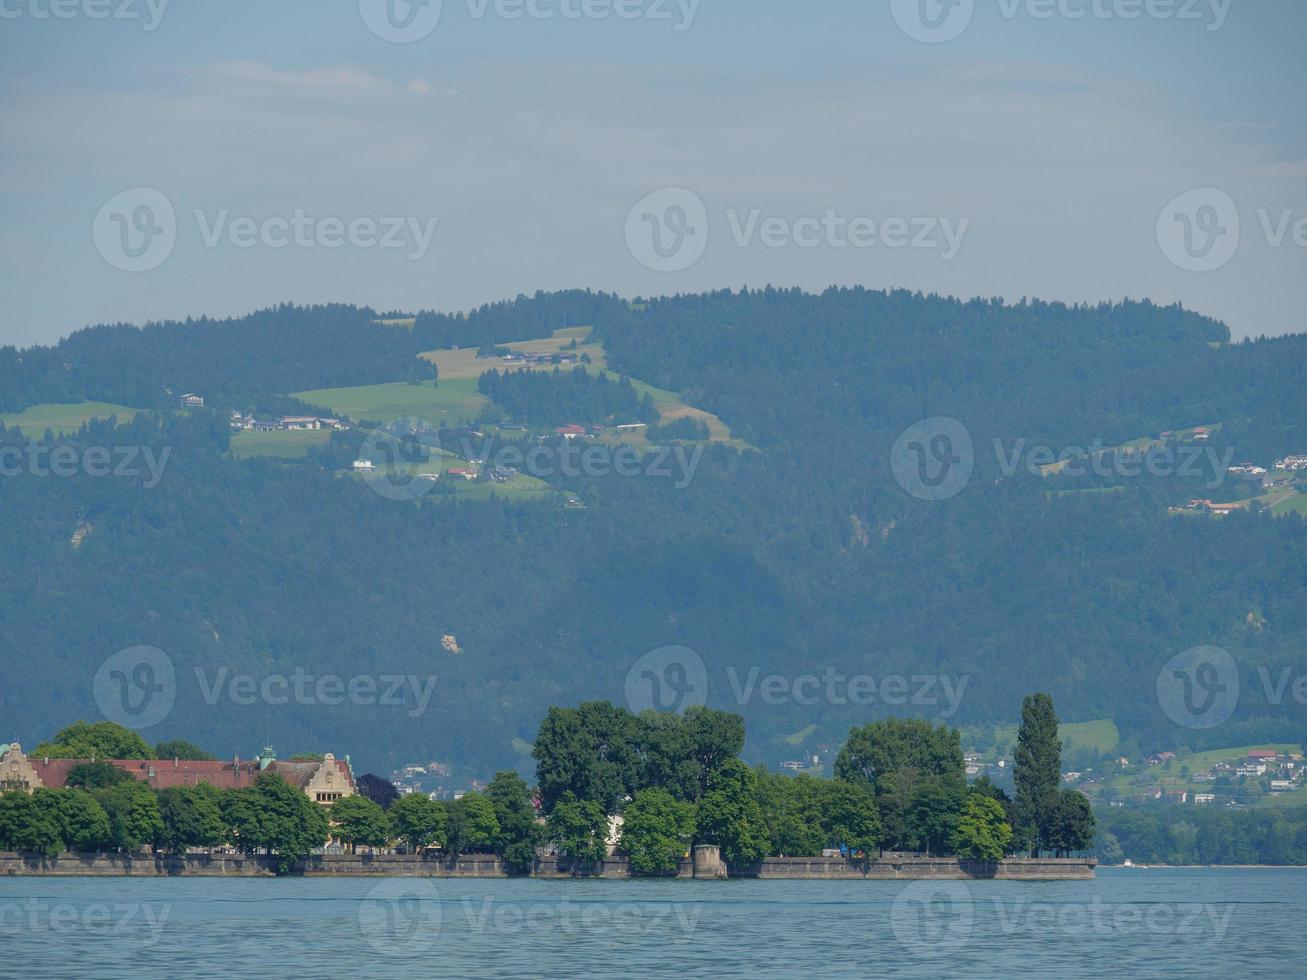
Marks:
<point>890,866</point>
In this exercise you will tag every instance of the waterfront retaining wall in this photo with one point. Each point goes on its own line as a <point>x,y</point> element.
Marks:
<point>889,866</point>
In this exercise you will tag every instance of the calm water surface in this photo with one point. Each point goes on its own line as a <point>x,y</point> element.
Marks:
<point>1127,923</point>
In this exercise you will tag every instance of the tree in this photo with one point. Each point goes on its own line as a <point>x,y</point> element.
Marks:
<point>518,831</point>
<point>730,816</point>
<point>133,810</point>
<point>1072,824</point>
<point>357,820</point>
<point>579,829</point>
<point>851,818</point>
<point>179,748</point>
<point>27,826</point>
<point>274,815</point>
<point>418,821</point>
<point>83,824</point>
<point>473,827</point>
<point>794,808</point>
<point>190,818</point>
<point>716,738</point>
<point>590,751</point>
<point>890,745</point>
<point>95,775</point>
<point>1037,772</point>
<point>656,831</point>
<point>933,814</point>
<point>101,740</point>
<point>380,791</point>
<point>982,832</point>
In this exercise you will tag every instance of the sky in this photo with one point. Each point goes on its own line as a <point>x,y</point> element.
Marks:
<point>160,160</point>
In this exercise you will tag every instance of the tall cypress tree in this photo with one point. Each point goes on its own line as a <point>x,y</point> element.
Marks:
<point>1038,772</point>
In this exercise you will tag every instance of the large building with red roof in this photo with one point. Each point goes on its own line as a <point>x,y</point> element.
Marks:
<point>323,781</point>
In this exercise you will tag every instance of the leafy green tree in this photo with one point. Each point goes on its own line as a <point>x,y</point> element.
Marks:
<point>793,807</point>
<point>656,831</point>
<point>473,826</point>
<point>579,829</point>
<point>730,816</point>
<point>1072,824</point>
<point>133,810</point>
<point>936,806</point>
<point>357,820</point>
<point>418,821</point>
<point>716,739</point>
<point>95,775</point>
<point>591,751</point>
<point>191,818</point>
<point>28,826</point>
<point>516,816</point>
<point>295,825</point>
<point>982,832</point>
<point>897,744</point>
<point>1037,772</point>
<point>83,824</point>
<point>179,748</point>
<point>101,740</point>
<point>851,817</point>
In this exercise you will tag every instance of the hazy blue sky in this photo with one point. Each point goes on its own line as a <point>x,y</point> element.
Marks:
<point>1038,152</point>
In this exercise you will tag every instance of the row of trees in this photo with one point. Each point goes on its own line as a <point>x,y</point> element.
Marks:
<point>898,785</point>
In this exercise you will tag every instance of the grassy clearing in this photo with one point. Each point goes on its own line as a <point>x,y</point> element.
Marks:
<point>1140,445</point>
<point>33,421</point>
<point>801,736</point>
<point>279,445</point>
<point>459,365</point>
<point>1100,735</point>
<point>453,400</point>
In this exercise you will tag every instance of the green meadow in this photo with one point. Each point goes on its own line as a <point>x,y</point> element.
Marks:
<point>34,420</point>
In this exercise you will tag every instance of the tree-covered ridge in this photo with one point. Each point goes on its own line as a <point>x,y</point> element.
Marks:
<point>231,363</point>
<point>560,397</point>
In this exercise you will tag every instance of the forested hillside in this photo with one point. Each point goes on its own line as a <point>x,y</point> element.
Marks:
<point>800,557</point>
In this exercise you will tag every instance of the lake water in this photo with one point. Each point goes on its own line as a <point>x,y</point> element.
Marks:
<point>1127,923</point>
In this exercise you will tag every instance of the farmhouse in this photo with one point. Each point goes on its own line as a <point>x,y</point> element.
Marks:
<point>324,782</point>
<point>191,400</point>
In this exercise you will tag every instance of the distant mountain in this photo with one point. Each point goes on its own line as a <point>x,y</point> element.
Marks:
<point>806,557</point>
